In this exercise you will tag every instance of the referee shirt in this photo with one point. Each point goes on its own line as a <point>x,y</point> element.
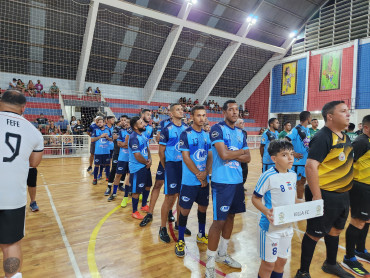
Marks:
<point>18,139</point>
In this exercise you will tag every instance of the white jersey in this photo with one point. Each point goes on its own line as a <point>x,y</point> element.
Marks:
<point>276,189</point>
<point>18,139</point>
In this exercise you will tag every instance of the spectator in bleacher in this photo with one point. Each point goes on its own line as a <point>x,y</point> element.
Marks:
<point>241,110</point>
<point>42,123</point>
<point>62,125</point>
<point>39,88</point>
<point>180,100</point>
<point>207,127</point>
<point>89,92</point>
<point>359,131</point>
<point>160,110</point>
<point>246,113</point>
<point>31,89</point>
<point>73,122</point>
<point>262,130</point>
<point>54,90</point>
<point>97,91</point>
<point>13,84</point>
<point>79,128</point>
<point>156,119</point>
<point>165,110</point>
<point>212,106</point>
<point>52,129</point>
<point>20,86</point>
<point>35,124</point>
<point>196,102</point>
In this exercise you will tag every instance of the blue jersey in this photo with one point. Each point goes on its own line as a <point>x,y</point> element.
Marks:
<point>266,138</point>
<point>111,144</point>
<point>92,128</point>
<point>163,124</point>
<point>170,137</point>
<point>102,146</point>
<point>198,145</point>
<point>227,171</point>
<point>137,144</point>
<point>148,133</point>
<point>300,138</point>
<point>123,153</point>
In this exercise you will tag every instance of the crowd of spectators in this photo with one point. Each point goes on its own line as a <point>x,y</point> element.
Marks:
<point>61,127</point>
<point>33,89</point>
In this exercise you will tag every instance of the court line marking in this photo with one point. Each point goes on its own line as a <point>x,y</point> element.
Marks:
<point>62,232</point>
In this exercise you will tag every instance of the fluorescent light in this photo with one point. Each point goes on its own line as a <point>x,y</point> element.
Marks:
<point>252,19</point>
<point>293,34</point>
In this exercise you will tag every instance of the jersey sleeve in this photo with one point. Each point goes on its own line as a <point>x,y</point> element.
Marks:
<point>319,148</point>
<point>292,136</point>
<point>90,129</point>
<point>134,145</point>
<point>39,143</point>
<point>216,134</point>
<point>209,143</point>
<point>151,133</point>
<point>184,143</point>
<point>121,136</point>
<point>263,185</point>
<point>359,147</point>
<point>264,139</point>
<point>245,145</point>
<point>93,134</point>
<point>163,138</point>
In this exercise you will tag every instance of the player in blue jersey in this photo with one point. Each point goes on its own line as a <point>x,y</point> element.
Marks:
<point>109,123</point>
<point>159,181</point>
<point>229,150</point>
<point>90,130</point>
<point>300,138</point>
<point>171,157</point>
<point>101,136</point>
<point>195,146</point>
<point>276,187</point>
<point>140,161</point>
<point>269,135</point>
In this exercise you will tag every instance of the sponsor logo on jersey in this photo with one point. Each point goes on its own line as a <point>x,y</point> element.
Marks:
<point>214,134</point>
<point>342,156</point>
<point>200,155</point>
<point>96,160</point>
<point>177,148</point>
<point>274,244</point>
<point>144,151</point>
<point>141,185</point>
<point>232,148</point>
<point>115,161</point>
<point>185,199</point>
<point>290,187</point>
<point>173,185</point>
<point>224,208</point>
<point>103,140</point>
<point>159,172</point>
<point>120,168</point>
<point>181,143</point>
<point>161,137</point>
<point>135,146</point>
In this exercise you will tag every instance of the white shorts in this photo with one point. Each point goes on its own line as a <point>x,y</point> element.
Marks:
<point>274,244</point>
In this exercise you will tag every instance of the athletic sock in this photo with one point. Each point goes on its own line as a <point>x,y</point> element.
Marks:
<point>202,223</point>
<point>352,235</point>
<point>222,247</point>
<point>331,243</point>
<point>115,187</point>
<point>182,226</point>
<point>145,197</point>
<point>276,275</point>
<point>134,204</point>
<point>126,190</point>
<point>110,184</point>
<point>211,255</point>
<point>96,171</point>
<point>107,171</point>
<point>307,250</point>
<point>360,244</point>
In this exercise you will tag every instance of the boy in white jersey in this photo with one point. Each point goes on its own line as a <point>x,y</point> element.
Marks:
<point>276,187</point>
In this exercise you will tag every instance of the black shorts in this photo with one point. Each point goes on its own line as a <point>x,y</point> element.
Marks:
<point>12,225</point>
<point>336,209</point>
<point>359,197</point>
<point>92,148</point>
<point>32,177</point>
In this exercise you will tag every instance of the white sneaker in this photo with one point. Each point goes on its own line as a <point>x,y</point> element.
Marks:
<point>228,261</point>
<point>210,272</point>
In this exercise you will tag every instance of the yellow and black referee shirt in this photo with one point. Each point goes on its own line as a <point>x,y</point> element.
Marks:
<point>335,155</point>
<point>361,166</point>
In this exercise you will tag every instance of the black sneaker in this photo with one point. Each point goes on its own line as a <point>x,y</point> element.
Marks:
<point>121,188</point>
<point>302,274</point>
<point>187,231</point>
<point>171,218</point>
<point>107,191</point>
<point>336,270</point>
<point>363,256</point>
<point>147,219</point>
<point>112,197</point>
<point>354,266</point>
<point>89,169</point>
<point>95,182</point>
<point>180,249</point>
<point>163,235</point>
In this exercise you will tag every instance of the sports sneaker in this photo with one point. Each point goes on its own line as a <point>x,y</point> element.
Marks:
<point>202,239</point>
<point>89,169</point>
<point>137,215</point>
<point>106,179</point>
<point>171,218</point>
<point>180,249</point>
<point>163,235</point>
<point>355,266</point>
<point>107,191</point>
<point>124,202</point>
<point>34,206</point>
<point>336,270</point>
<point>95,182</point>
<point>99,177</point>
<point>147,218</point>
<point>363,256</point>
<point>112,197</point>
<point>210,272</point>
<point>187,231</point>
<point>145,208</point>
<point>121,188</point>
<point>228,261</point>
<point>302,274</point>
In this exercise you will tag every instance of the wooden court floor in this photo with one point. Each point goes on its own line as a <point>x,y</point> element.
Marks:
<point>77,233</point>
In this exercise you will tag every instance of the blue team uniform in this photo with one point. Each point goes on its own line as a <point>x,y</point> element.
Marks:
<point>160,169</point>
<point>91,130</point>
<point>198,144</point>
<point>148,133</point>
<point>266,138</point>
<point>227,177</point>
<point>300,138</point>
<point>102,151</point>
<point>123,157</point>
<point>139,173</point>
<point>170,137</point>
<point>111,144</point>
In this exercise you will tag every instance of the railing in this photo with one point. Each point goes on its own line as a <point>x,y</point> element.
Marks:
<point>254,141</point>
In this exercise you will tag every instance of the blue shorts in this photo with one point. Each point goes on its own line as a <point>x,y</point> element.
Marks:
<point>265,167</point>
<point>160,172</point>
<point>194,193</point>
<point>101,159</point>
<point>227,198</point>
<point>300,171</point>
<point>139,179</point>
<point>172,177</point>
<point>122,168</point>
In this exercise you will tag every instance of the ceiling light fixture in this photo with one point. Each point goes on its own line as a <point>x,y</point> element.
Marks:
<point>252,19</point>
<point>293,34</point>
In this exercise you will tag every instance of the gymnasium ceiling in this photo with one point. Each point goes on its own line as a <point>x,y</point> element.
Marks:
<point>126,46</point>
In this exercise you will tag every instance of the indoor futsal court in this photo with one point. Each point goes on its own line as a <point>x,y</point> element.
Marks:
<point>252,106</point>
